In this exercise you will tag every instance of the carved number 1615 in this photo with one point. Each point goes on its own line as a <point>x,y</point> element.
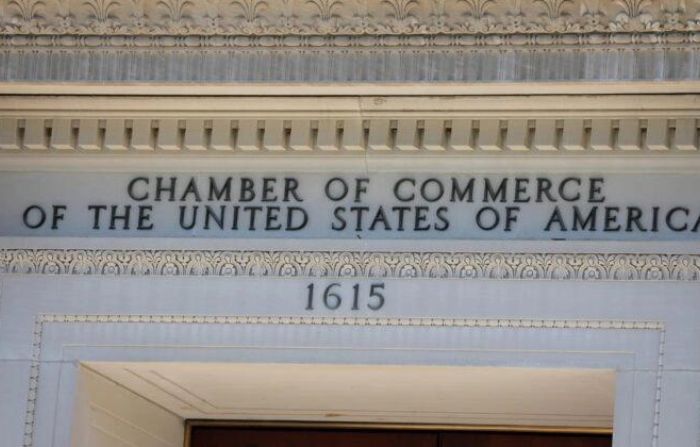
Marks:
<point>333,295</point>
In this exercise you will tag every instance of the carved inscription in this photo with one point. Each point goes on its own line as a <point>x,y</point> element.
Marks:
<point>390,206</point>
<point>337,295</point>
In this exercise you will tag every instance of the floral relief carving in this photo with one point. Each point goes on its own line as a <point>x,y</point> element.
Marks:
<point>621,267</point>
<point>24,11</point>
<point>633,8</point>
<point>478,14</point>
<point>101,10</point>
<point>327,9</point>
<point>478,9</point>
<point>553,8</point>
<point>176,10</point>
<point>249,10</point>
<point>401,9</point>
<point>346,17</point>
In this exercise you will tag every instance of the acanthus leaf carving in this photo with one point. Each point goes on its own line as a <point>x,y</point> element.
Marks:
<point>326,8</point>
<point>101,10</point>
<point>249,10</point>
<point>25,10</point>
<point>176,10</point>
<point>553,9</point>
<point>435,20</point>
<point>401,9</point>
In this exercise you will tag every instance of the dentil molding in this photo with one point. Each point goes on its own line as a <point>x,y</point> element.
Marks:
<point>600,126</point>
<point>326,136</point>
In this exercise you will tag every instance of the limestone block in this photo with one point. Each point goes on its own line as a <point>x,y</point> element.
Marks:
<point>142,135</point>
<point>273,136</point>
<point>168,135</point>
<point>407,135</point>
<point>221,135</point>
<point>573,135</point>
<point>9,135</point>
<point>327,135</point>
<point>62,134</point>
<point>380,135</point>
<point>35,134</point>
<point>353,135</point>
<point>601,135</point>
<point>89,135</point>
<point>545,135</point>
<point>628,138</point>
<point>490,135</point>
<point>657,134</point>
<point>301,138</point>
<point>115,135</point>
<point>461,135</point>
<point>434,135</point>
<point>248,135</point>
<point>686,135</point>
<point>516,135</point>
<point>194,135</point>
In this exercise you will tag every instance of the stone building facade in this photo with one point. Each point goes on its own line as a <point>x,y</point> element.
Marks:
<point>456,213</point>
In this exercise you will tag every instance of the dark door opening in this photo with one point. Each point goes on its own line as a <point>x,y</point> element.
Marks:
<point>217,436</point>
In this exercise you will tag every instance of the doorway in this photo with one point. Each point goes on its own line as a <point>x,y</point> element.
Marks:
<point>329,405</point>
<point>222,436</point>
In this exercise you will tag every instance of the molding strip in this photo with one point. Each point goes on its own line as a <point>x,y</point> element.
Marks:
<point>330,89</point>
<point>285,264</point>
<point>118,135</point>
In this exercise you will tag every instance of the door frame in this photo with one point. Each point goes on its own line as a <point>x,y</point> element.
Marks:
<point>324,425</point>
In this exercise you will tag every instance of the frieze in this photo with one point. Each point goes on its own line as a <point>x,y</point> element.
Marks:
<point>458,265</point>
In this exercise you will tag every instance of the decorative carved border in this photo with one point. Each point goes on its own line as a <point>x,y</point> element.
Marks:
<point>348,40</point>
<point>429,20</point>
<point>532,324</point>
<point>458,265</point>
<point>347,43</point>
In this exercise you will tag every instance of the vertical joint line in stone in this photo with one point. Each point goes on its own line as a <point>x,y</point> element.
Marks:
<point>32,393</point>
<point>659,384</point>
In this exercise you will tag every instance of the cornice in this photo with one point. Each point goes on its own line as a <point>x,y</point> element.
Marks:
<point>348,40</point>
